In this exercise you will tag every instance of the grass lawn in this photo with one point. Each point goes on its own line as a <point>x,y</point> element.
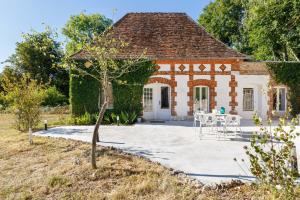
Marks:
<point>60,169</point>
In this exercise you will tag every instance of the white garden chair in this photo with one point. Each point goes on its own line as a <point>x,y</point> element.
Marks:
<point>210,120</point>
<point>232,121</point>
<point>198,117</point>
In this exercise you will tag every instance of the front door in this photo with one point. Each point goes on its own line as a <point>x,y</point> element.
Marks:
<point>156,102</point>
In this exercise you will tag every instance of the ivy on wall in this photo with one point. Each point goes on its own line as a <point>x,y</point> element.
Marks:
<point>127,91</point>
<point>84,94</point>
<point>288,73</point>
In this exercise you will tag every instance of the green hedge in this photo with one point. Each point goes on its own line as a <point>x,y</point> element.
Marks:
<point>288,73</point>
<point>127,91</point>
<point>84,93</point>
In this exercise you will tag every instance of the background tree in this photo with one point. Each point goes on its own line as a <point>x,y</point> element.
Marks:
<point>82,28</point>
<point>25,96</point>
<point>224,20</point>
<point>40,55</point>
<point>102,64</point>
<point>274,29</point>
<point>268,30</point>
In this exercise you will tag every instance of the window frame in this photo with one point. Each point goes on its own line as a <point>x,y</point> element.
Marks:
<point>148,97</point>
<point>252,100</point>
<point>277,92</point>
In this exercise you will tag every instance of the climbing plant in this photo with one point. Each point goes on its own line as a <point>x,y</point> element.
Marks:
<point>127,91</point>
<point>288,73</point>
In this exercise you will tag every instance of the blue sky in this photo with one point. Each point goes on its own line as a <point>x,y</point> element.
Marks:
<point>19,16</point>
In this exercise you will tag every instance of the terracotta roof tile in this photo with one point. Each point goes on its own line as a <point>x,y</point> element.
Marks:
<point>168,36</point>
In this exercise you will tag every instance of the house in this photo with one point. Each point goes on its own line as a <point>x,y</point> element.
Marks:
<point>195,71</point>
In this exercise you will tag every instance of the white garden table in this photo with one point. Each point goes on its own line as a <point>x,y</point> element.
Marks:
<point>216,120</point>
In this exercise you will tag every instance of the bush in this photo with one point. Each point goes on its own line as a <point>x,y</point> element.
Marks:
<point>86,119</point>
<point>124,118</point>
<point>271,155</point>
<point>25,97</point>
<point>53,97</point>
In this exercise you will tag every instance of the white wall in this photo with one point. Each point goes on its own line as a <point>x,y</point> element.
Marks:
<point>223,90</point>
<point>260,85</point>
<point>258,82</point>
<point>182,98</point>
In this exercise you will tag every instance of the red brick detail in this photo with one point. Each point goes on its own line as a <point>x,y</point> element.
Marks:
<point>202,67</point>
<point>172,83</point>
<point>181,67</point>
<point>162,80</point>
<point>222,67</point>
<point>173,93</point>
<point>232,94</point>
<point>157,67</point>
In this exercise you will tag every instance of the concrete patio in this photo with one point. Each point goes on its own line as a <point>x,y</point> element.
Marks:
<point>176,144</point>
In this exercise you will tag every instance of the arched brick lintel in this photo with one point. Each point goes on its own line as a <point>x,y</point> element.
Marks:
<point>162,80</point>
<point>202,82</point>
<point>172,84</point>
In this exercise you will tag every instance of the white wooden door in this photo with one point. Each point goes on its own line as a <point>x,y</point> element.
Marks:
<point>156,102</point>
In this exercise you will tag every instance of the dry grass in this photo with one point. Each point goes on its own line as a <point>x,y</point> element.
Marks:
<point>60,169</point>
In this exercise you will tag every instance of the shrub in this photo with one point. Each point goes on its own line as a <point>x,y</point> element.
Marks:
<point>124,118</point>
<point>25,97</point>
<point>86,119</point>
<point>53,97</point>
<point>271,154</point>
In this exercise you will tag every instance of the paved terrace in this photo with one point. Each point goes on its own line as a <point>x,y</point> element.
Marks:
<point>176,144</point>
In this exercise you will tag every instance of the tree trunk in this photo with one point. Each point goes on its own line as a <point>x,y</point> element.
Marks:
<point>30,136</point>
<point>96,134</point>
<point>30,133</point>
<point>99,107</point>
<point>99,120</point>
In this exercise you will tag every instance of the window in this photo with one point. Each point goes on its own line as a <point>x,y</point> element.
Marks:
<point>148,97</point>
<point>164,98</point>
<point>279,99</point>
<point>201,98</point>
<point>248,99</point>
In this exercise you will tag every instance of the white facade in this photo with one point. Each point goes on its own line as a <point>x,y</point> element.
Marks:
<point>222,76</point>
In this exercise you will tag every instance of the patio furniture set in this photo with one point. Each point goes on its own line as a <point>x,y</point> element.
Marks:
<point>217,123</point>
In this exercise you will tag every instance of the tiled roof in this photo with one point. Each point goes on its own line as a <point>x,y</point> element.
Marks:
<point>168,36</point>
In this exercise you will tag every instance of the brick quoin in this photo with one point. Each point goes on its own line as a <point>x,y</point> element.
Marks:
<point>232,94</point>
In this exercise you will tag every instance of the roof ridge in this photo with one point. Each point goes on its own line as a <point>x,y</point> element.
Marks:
<point>156,13</point>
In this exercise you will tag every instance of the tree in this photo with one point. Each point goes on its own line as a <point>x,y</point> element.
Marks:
<point>102,64</point>
<point>82,28</point>
<point>10,74</point>
<point>224,20</point>
<point>268,30</point>
<point>40,55</point>
<point>274,29</point>
<point>25,96</point>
